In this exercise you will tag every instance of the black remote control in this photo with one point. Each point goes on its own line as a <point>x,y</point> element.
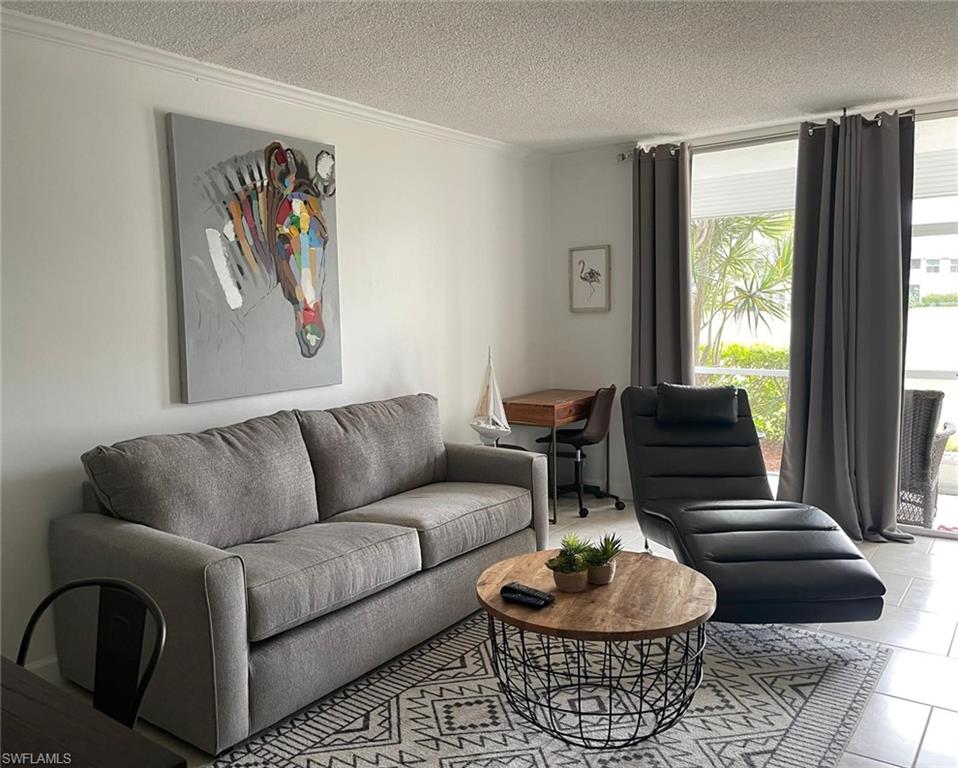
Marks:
<point>520,593</point>
<point>522,589</point>
<point>517,597</point>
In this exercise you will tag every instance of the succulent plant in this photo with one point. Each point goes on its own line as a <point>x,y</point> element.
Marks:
<point>603,553</point>
<point>571,557</point>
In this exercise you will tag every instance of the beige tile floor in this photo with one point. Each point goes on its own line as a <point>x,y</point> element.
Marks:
<point>912,719</point>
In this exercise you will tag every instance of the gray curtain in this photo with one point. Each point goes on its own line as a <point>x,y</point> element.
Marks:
<point>849,305</point>
<point>661,267</point>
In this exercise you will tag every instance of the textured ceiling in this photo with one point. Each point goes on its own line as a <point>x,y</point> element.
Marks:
<point>561,75</point>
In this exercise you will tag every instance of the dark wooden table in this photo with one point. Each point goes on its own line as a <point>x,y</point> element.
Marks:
<point>40,718</point>
<point>553,408</point>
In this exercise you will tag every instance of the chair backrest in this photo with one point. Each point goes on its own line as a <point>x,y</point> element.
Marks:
<point>118,687</point>
<point>921,410</point>
<point>691,461</point>
<point>600,416</point>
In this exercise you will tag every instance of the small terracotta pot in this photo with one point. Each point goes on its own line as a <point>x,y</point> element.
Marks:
<point>602,574</point>
<point>571,582</point>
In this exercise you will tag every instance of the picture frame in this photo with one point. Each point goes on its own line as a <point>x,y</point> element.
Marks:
<point>257,261</point>
<point>590,287</point>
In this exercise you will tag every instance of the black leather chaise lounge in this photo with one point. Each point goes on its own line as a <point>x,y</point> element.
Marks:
<point>700,488</point>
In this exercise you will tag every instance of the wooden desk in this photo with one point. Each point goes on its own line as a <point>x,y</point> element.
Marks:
<point>40,718</point>
<point>552,408</point>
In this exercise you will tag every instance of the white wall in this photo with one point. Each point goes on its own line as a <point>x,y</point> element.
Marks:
<point>442,250</point>
<point>591,205</point>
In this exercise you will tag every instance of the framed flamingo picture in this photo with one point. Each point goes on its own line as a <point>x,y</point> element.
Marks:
<point>589,287</point>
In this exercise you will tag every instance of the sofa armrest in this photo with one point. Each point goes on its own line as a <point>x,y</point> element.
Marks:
<point>200,691</point>
<point>484,464</point>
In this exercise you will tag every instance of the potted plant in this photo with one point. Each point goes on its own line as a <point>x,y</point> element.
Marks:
<point>569,567</point>
<point>601,559</point>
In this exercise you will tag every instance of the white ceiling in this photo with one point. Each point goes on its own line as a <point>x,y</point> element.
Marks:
<point>558,76</point>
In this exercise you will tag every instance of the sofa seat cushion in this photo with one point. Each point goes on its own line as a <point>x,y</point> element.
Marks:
<point>452,518</point>
<point>759,552</point>
<point>296,576</point>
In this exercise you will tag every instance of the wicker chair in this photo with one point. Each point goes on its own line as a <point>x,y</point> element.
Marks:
<point>921,452</point>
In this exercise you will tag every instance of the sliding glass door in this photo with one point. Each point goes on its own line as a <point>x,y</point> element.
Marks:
<point>931,359</point>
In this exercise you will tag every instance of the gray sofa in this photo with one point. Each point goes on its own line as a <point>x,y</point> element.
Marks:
<point>291,553</point>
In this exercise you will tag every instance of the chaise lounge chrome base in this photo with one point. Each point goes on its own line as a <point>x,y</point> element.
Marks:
<point>701,490</point>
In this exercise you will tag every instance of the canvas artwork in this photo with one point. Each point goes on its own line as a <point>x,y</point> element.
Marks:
<point>589,287</point>
<point>257,266</point>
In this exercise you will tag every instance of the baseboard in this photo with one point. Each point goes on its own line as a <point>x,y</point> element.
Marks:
<point>600,483</point>
<point>931,533</point>
<point>48,668</point>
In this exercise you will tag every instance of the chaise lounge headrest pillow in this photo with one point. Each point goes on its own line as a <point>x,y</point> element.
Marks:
<point>681,404</point>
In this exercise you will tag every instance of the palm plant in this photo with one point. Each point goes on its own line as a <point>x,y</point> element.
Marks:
<point>742,270</point>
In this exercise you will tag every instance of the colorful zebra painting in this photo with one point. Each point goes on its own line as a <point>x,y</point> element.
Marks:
<point>274,226</point>
<point>257,255</point>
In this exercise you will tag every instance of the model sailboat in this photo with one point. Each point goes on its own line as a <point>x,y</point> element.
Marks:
<point>489,420</point>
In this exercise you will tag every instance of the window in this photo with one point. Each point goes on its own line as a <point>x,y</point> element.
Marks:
<point>743,210</point>
<point>931,356</point>
<point>743,204</point>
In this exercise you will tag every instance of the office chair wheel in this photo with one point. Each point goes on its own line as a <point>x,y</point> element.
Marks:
<point>583,512</point>
<point>620,505</point>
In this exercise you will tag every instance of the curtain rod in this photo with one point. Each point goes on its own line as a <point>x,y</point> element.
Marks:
<point>783,135</point>
<point>877,119</point>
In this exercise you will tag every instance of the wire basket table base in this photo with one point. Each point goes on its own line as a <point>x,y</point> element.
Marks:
<point>597,694</point>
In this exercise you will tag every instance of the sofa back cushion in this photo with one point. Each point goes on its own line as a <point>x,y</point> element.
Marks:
<point>222,487</point>
<point>364,453</point>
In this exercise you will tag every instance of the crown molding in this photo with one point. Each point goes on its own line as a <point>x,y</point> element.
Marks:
<point>45,30</point>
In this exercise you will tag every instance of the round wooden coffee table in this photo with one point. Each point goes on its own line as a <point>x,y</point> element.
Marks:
<point>605,668</point>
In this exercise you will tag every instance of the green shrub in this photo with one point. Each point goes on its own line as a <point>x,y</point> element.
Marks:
<point>768,395</point>
<point>933,300</point>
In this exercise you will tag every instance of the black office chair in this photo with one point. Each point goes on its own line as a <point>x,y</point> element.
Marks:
<point>118,688</point>
<point>596,430</point>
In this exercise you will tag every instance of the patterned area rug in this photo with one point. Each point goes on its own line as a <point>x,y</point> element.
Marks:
<point>772,697</point>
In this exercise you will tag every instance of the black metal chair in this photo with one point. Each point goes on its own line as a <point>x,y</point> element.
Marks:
<point>596,430</point>
<point>922,449</point>
<point>118,687</point>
